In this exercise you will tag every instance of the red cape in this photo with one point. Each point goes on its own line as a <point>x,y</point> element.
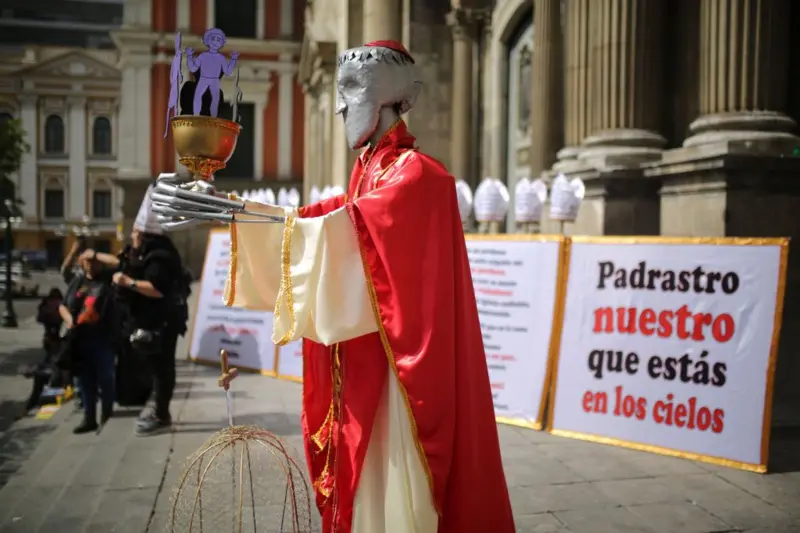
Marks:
<point>416,262</point>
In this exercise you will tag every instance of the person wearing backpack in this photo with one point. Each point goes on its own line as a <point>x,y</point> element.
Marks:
<point>149,279</point>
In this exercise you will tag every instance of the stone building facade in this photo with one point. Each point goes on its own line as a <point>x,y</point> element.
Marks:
<point>679,115</point>
<point>68,102</point>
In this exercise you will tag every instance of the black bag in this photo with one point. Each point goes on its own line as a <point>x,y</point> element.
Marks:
<point>68,358</point>
<point>146,342</point>
<point>134,378</point>
<point>179,316</point>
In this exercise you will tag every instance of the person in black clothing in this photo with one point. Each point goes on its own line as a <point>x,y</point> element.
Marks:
<point>46,372</point>
<point>87,312</point>
<point>149,276</point>
<point>48,316</point>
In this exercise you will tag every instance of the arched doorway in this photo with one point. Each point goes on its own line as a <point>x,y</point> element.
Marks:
<point>518,111</point>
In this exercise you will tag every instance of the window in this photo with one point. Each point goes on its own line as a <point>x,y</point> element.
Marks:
<point>54,135</point>
<point>54,203</point>
<point>55,252</point>
<point>240,165</point>
<point>237,18</point>
<point>101,204</point>
<point>101,136</point>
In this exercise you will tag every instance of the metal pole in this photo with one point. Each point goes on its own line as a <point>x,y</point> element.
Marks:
<point>9,319</point>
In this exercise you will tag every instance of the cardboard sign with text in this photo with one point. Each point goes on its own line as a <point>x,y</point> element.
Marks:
<point>669,345</point>
<point>289,361</point>
<point>516,279</point>
<point>247,335</point>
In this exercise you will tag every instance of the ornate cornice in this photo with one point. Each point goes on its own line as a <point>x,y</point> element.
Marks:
<point>466,23</point>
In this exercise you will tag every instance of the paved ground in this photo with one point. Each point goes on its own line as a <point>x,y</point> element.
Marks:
<point>115,482</point>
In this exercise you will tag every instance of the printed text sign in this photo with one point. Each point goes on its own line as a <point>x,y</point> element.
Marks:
<point>290,360</point>
<point>515,288</point>
<point>247,335</point>
<point>669,345</point>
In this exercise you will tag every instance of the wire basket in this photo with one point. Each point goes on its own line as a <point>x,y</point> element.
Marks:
<point>243,479</point>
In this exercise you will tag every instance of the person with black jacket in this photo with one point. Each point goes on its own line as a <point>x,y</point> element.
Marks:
<point>88,315</point>
<point>149,274</point>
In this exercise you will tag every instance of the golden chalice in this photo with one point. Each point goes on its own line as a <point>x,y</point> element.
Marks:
<point>204,144</point>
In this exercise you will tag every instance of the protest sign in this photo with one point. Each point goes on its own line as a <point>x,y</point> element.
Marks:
<point>516,280</point>
<point>289,361</point>
<point>246,335</point>
<point>669,346</point>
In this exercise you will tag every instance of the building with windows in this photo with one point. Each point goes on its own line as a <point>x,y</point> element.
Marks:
<point>90,81</point>
<point>67,100</point>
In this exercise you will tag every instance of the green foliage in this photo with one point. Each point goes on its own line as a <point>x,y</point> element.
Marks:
<point>13,147</point>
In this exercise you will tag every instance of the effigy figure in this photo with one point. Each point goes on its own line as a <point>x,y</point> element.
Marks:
<point>398,418</point>
<point>210,66</point>
<point>186,100</point>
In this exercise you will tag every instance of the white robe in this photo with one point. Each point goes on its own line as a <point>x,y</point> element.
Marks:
<point>321,259</point>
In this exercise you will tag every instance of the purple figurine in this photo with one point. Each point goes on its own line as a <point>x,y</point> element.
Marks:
<point>175,80</point>
<point>211,64</point>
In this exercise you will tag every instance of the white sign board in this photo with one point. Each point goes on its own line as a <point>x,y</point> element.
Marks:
<point>290,361</point>
<point>247,335</point>
<point>669,346</point>
<point>515,282</point>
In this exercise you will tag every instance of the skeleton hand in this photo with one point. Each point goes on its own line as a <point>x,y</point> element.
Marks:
<point>189,51</point>
<point>180,206</point>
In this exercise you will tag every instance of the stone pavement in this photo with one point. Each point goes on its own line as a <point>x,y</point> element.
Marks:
<point>115,482</point>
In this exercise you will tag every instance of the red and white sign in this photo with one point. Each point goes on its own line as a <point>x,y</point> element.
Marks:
<point>515,281</point>
<point>246,335</point>
<point>670,346</point>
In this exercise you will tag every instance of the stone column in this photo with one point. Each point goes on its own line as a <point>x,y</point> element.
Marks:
<point>383,20</point>
<point>744,47</point>
<point>28,171</point>
<point>546,88</point>
<point>260,102</point>
<point>463,24</point>
<point>77,156</point>
<point>182,16</point>
<point>626,83</point>
<point>577,76</point>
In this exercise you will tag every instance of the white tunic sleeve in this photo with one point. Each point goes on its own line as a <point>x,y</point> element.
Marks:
<point>308,271</point>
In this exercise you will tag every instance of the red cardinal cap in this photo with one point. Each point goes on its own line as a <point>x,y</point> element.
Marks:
<point>392,45</point>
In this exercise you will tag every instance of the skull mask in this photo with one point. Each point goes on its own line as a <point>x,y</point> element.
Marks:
<point>373,76</point>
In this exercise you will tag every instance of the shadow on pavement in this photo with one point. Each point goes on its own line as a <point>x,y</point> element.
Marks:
<point>16,445</point>
<point>281,424</point>
<point>9,366</point>
<point>219,394</point>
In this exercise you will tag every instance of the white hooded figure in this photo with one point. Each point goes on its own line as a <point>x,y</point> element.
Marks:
<point>325,193</point>
<point>269,196</point>
<point>565,198</point>
<point>146,220</point>
<point>529,199</point>
<point>283,197</point>
<point>491,204</point>
<point>336,190</point>
<point>293,197</point>
<point>465,200</point>
<point>314,195</point>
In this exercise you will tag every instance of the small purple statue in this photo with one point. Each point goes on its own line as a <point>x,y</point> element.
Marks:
<point>211,64</point>
<point>175,80</point>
